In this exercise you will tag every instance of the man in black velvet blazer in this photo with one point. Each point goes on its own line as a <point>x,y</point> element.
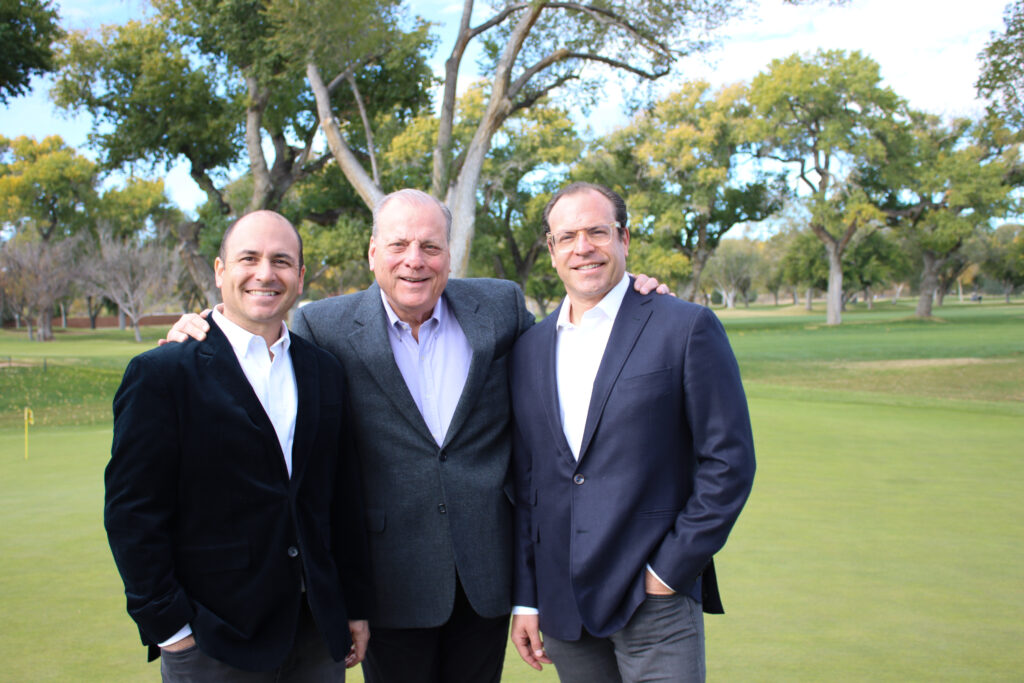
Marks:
<point>633,457</point>
<point>233,506</point>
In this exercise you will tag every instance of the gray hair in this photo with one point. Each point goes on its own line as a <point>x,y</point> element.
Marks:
<point>417,197</point>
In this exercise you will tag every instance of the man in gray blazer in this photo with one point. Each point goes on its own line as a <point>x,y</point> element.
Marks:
<point>426,362</point>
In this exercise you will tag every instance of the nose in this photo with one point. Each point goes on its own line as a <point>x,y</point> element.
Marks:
<point>264,270</point>
<point>414,255</point>
<point>583,247</point>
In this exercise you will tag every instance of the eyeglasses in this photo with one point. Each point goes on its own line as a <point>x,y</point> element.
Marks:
<point>598,236</point>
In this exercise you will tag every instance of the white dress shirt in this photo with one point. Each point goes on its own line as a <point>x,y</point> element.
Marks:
<point>434,368</point>
<point>578,353</point>
<point>272,377</point>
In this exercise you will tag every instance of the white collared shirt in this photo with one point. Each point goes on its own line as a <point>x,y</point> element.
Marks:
<point>271,375</point>
<point>434,368</point>
<point>578,353</point>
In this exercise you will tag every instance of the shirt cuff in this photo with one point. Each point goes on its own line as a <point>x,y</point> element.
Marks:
<point>520,609</point>
<point>655,575</point>
<point>182,634</point>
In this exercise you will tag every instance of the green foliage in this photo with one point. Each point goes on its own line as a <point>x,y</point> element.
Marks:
<point>45,187</point>
<point>150,99</point>
<point>1002,66</point>
<point>1003,256</point>
<point>28,29</point>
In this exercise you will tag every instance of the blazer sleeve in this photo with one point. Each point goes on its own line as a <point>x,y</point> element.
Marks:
<point>351,546</point>
<point>524,581</point>
<point>716,410</point>
<point>141,493</point>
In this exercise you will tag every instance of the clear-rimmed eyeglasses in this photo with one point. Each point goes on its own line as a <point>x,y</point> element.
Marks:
<point>597,235</point>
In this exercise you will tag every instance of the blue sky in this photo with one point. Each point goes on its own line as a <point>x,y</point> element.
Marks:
<point>927,52</point>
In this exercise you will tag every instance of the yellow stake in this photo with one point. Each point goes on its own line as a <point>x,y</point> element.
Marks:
<point>29,420</point>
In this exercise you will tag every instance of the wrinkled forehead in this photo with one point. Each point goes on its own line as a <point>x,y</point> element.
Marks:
<point>410,219</point>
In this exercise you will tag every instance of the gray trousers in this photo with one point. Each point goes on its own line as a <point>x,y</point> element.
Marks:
<point>664,641</point>
<point>308,662</point>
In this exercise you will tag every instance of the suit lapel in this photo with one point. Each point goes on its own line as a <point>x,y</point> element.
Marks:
<point>629,323</point>
<point>546,377</point>
<point>369,340</point>
<point>223,368</point>
<point>479,331</point>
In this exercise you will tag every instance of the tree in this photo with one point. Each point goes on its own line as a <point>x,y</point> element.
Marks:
<point>134,273</point>
<point>533,49</point>
<point>207,81</point>
<point>872,261</point>
<point>1002,67</point>
<point>948,181</point>
<point>803,263</point>
<point>734,267</point>
<point>45,187</point>
<point>1003,258</point>
<point>823,116</point>
<point>38,274</point>
<point>28,29</point>
<point>687,146</point>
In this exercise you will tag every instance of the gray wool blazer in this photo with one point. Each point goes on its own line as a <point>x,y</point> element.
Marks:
<point>431,511</point>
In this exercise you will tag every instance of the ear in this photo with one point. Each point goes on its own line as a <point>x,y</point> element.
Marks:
<point>370,252</point>
<point>551,253</point>
<point>302,278</point>
<point>218,272</point>
<point>625,241</point>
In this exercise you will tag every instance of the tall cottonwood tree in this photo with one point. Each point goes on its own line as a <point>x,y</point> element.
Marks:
<point>28,29</point>
<point>533,49</point>
<point>822,116</point>
<point>689,147</point>
<point>948,181</point>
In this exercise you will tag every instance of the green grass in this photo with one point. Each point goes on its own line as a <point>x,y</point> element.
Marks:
<point>882,541</point>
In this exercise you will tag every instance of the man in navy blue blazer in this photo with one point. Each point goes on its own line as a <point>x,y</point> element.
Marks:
<point>633,457</point>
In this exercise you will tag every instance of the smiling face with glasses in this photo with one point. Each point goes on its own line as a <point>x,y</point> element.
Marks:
<point>587,247</point>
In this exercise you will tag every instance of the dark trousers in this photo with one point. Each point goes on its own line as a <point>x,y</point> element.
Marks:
<point>468,648</point>
<point>308,662</point>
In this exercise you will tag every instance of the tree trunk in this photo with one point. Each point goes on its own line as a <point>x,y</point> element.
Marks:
<point>91,312</point>
<point>730,298</point>
<point>810,294</point>
<point>698,260</point>
<point>354,172</point>
<point>45,326</point>
<point>940,296</point>
<point>796,295</point>
<point>1007,291</point>
<point>868,299</point>
<point>834,296</point>
<point>120,319</point>
<point>929,283</point>
<point>896,294</point>
<point>138,332</point>
<point>198,267</point>
<point>63,316</point>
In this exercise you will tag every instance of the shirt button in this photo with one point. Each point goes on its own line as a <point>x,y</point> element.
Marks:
<point>293,551</point>
<point>442,509</point>
<point>578,479</point>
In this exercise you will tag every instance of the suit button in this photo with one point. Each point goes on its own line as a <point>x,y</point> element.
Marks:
<point>442,509</point>
<point>443,456</point>
<point>293,551</point>
<point>578,479</point>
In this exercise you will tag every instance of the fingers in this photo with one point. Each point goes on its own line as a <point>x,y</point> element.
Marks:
<point>360,631</point>
<point>188,326</point>
<point>525,635</point>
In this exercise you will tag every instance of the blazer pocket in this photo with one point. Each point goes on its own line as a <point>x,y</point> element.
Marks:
<point>216,558</point>
<point>376,520</point>
<point>654,383</point>
<point>663,512</point>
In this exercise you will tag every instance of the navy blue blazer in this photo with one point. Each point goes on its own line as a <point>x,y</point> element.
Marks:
<point>666,465</point>
<point>205,525</point>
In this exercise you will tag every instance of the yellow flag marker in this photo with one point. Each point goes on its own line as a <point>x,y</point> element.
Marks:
<point>29,420</point>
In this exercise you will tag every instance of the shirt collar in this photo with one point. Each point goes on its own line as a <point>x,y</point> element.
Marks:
<point>439,314</point>
<point>609,305</point>
<point>241,339</point>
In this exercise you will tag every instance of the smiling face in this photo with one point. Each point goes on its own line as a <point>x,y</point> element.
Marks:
<point>588,272</point>
<point>259,273</point>
<point>409,258</point>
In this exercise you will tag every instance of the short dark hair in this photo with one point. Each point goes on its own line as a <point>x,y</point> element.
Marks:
<point>618,203</point>
<point>231,228</point>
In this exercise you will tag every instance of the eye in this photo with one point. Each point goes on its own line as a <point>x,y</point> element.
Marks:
<point>431,249</point>
<point>599,232</point>
<point>397,247</point>
<point>565,238</point>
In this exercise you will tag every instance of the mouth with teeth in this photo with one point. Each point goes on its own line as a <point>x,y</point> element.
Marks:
<point>262,292</point>
<point>588,266</point>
